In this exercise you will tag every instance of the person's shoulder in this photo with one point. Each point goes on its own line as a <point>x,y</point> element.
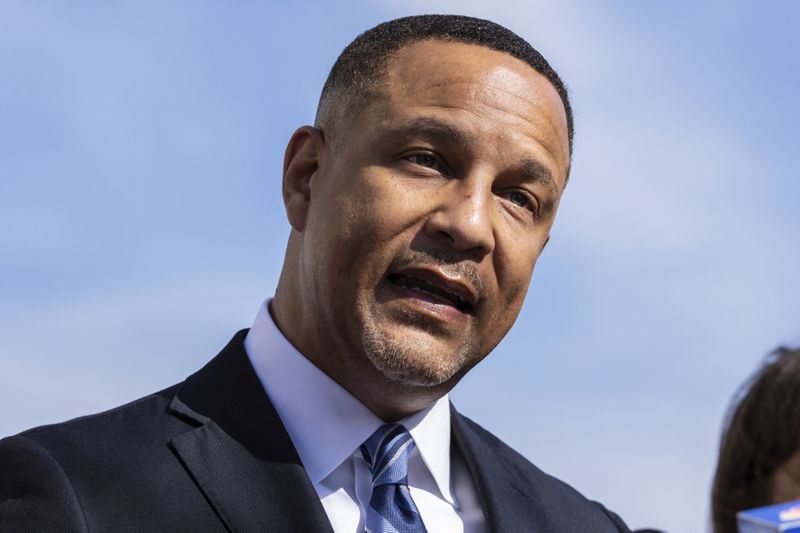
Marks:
<point>51,473</point>
<point>150,421</point>
<point>526,472</point>
<point>125,426</point>
<point>553,493</point>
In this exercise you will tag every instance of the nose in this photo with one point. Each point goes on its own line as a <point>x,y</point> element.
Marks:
<point>463,218</point>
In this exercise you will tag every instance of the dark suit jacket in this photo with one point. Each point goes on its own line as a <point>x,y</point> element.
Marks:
<point>210,454</point>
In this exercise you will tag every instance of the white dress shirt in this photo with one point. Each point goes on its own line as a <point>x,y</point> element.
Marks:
<point>327,426</point>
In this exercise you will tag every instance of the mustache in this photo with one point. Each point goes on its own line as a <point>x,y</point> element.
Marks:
<point>451,262</point>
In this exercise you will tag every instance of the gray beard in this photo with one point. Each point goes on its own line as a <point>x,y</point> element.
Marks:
<point>409,361</point>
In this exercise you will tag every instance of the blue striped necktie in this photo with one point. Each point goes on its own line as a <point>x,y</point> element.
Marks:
<point>391,509</point>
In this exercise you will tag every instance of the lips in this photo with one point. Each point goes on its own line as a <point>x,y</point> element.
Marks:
<point>436,287</point>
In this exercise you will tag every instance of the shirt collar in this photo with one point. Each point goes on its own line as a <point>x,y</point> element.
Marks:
<point>430,429</point>
<point>325,422</point>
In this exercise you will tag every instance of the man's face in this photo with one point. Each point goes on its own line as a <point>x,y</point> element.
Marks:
<point>429,210</point>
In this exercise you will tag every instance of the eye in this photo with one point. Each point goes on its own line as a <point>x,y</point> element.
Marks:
<point>424,159</point>
<point>523,199</point>
<point>519,198</point>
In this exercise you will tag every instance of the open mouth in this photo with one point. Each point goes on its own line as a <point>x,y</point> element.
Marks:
<point>430,287</point>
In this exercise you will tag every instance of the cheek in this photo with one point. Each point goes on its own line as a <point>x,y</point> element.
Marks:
<point>358,236</point>
<point>784,488</point>
<point>513,278</point>
<point>514,267</point>
<point>386,207</point>
<point>786,480</point>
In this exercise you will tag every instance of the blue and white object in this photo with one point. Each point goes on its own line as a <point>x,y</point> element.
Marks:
<point>784,517</point>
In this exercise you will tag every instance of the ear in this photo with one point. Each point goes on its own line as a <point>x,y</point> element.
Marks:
<point>300,163</point>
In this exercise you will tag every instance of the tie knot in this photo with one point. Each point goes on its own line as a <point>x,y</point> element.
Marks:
<point>387,452</point>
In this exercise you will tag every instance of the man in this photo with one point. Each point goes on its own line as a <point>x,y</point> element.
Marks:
<point>419,203</point>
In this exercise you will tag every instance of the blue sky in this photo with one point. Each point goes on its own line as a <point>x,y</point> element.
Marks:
<point>140,157</point>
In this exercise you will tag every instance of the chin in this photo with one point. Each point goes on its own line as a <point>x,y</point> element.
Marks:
<point>416,358</point>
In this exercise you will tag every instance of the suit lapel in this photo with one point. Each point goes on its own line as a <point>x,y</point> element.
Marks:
<point>507,505</point>
<point>239,453</point>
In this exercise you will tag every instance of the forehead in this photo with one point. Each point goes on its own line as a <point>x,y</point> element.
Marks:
<point>467,79</point>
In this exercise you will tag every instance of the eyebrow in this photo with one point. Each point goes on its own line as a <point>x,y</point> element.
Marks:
<point>431,127</point>
<point>533,170</point>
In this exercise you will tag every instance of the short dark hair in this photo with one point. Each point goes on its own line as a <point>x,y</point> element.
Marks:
<point>762,433</point>
<point>363,62</point>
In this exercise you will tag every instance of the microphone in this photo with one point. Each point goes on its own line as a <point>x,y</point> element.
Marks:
<point>783,517</point>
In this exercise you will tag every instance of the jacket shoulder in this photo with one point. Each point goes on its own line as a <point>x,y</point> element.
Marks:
<point>99,471</point>
<point>99,429</point>
<point>45,468</point>
<point>35,494</point>
<point>566,508</point>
